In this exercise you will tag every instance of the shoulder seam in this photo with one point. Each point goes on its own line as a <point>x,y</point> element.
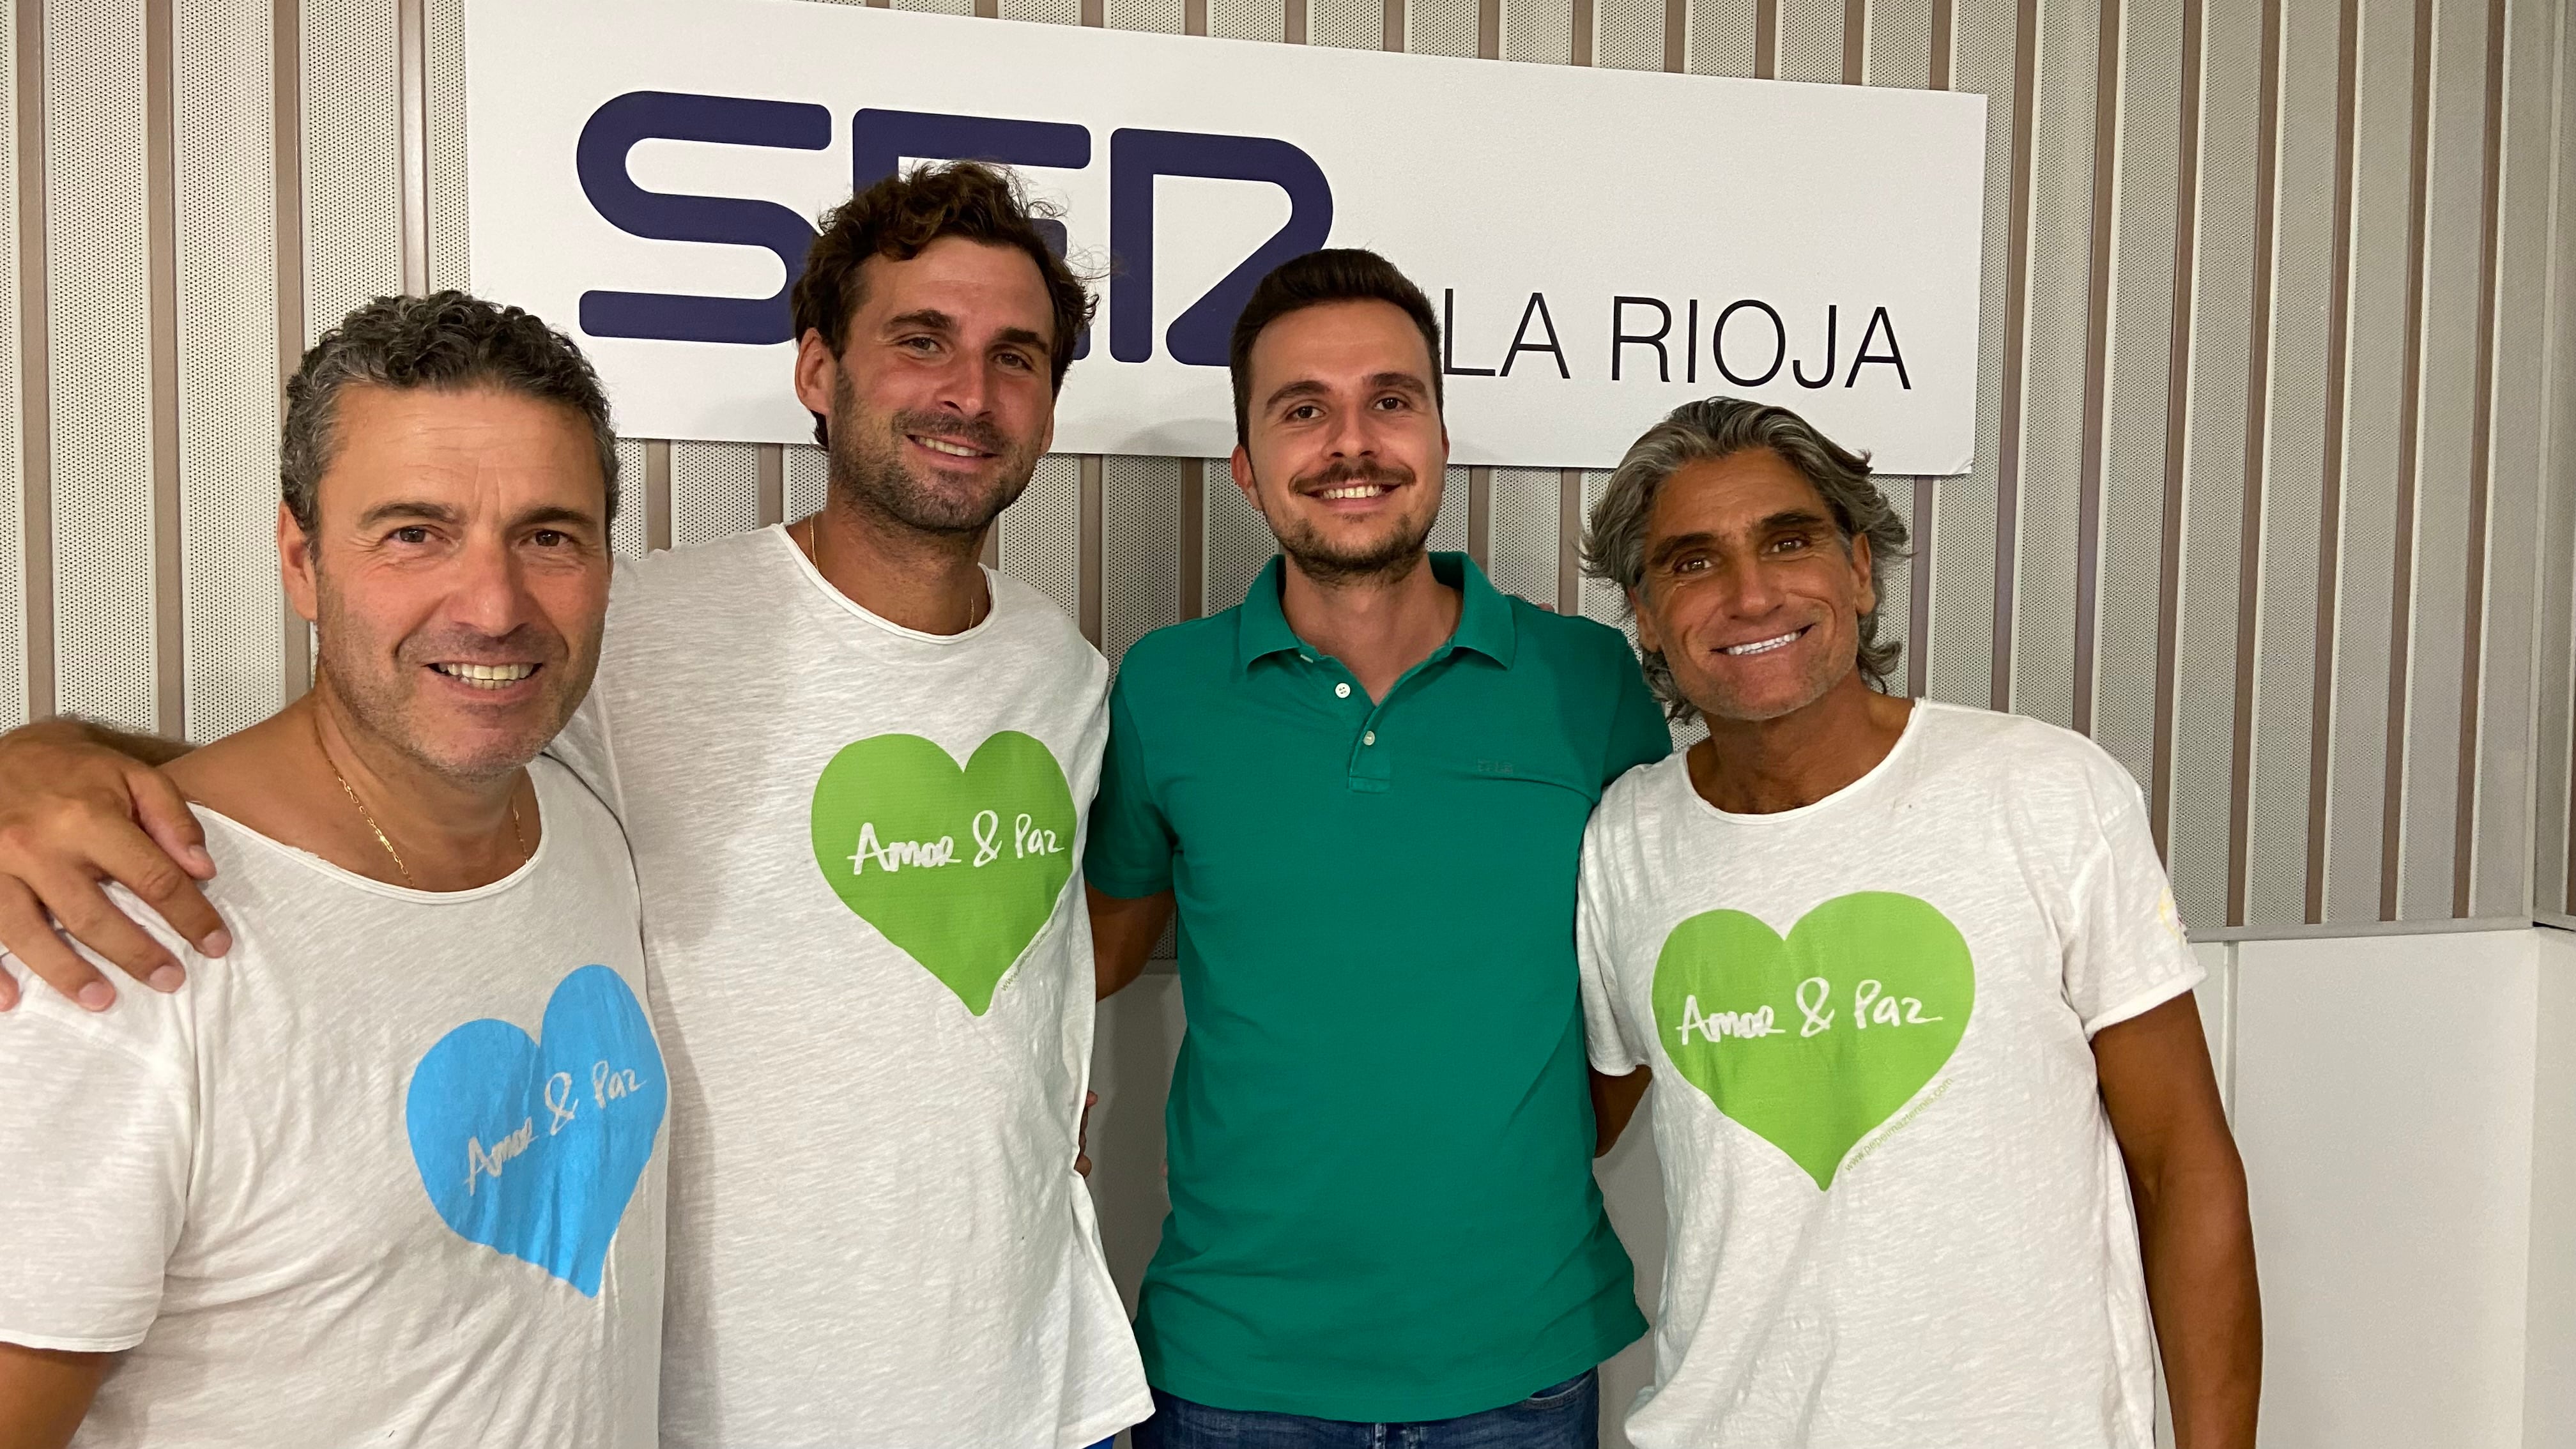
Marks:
<point>151,1065</point>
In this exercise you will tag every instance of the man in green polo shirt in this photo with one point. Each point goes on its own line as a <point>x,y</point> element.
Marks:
<point>1365,790</point>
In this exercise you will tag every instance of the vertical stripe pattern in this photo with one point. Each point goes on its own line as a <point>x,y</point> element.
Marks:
<point>2275,487</point>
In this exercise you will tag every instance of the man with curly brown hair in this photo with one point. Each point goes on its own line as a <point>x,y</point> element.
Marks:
<point>855,767</point>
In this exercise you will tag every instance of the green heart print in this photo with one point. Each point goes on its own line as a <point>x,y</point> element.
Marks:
<point>958,868</point>
<point>1814,1041</point>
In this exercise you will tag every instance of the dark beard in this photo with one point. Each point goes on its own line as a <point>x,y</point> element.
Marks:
<point>868,471</point>
<point>1389,560</point>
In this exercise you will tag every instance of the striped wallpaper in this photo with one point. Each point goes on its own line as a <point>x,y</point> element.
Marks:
<point>2277,483</point>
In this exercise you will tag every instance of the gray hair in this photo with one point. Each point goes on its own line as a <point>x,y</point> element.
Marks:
<point>1614,546</point>
<point>447,342</point>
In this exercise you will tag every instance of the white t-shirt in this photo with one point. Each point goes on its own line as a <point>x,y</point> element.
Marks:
<point>388,1173</point>
<point>1900,1219</point>
<point>858,846</point>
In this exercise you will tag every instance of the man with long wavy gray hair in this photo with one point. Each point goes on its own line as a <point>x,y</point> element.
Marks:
<point>1943,1154</point>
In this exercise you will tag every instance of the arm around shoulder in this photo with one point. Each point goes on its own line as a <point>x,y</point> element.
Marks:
<point>81,805</point>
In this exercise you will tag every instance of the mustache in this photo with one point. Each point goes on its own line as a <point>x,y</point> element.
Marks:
<point>1360,470</point>
<point>526,644</point>
<point>973,432</point>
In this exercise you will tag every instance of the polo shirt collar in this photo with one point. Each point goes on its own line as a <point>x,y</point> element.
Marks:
<point>1484,615</point>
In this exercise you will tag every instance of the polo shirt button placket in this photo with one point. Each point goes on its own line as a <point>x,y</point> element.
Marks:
<point>1372,771</point>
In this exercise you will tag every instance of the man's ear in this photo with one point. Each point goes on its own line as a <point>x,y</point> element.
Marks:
<point>1241,466</point>
<point>296,567</point>
<point>1866,590</point>
<point>816,370</point>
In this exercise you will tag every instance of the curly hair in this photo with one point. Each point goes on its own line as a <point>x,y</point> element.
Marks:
<point>448,342</point>
<point>903,214</point>
<point>1614,545</point>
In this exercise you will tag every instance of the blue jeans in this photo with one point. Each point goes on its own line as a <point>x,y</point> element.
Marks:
<point>1561,1416</point>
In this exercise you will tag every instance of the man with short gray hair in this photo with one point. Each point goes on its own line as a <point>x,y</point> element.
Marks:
<point>391,1170</point>
<point>1939,1132</point>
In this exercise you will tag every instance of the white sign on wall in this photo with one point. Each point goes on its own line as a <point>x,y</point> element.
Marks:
<point>1603,245</point>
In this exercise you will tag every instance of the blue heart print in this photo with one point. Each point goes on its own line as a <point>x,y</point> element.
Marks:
<point>534,1148</point>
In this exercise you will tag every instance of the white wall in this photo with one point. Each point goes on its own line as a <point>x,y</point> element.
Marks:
<point>2549,1360</point>
<point>2385,1103</point>
<point>2407,1110</point>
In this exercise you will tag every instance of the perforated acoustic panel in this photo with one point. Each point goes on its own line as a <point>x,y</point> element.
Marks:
<point>1442,27</point>
<point>2276,775</point>
<point>2373,388</point>
<point>2200,818</point>
<point>1163,16</point>
<point>1628,34</point>
<point>1721,38</point>
<point>1047,12</point>
<point>715,490</point>
<point>2447,422</point>
<point>352,159</point>
<point>1248,19</point>
<point>2126,528</point>
<point>1521,554</point>
<point>1350,24</point>
<point>1959,654</point>
<point>1042,533</point>
<point>1239,542</point>
<point>2050,381</point>
<point>2277,396</point>
<point>451,261</point>
<point>2553,877</point>
<point>232,607</point>
<point>1896,583</point>
<point>97,266</point>
<point>1140,569</point>
<point>626,534</point>
<point>2515,695</point>
<point>1600,599</point>
<point>13,499</point>
<point>1539,30</point>
<point>1811,40</point>
<point>1449,529</point>
<point>809,481</point>
<point>1896,44</point>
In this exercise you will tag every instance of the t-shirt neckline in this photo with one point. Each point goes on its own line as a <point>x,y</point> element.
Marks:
<point>821,585</point>
<point>1868,780</point>
<point>315,863</point>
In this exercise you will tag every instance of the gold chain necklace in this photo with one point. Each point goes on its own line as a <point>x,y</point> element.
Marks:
<point>975,611</point>
<point>516,834</point>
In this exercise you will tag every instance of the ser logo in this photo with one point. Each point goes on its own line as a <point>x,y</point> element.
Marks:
<point>880,140</point>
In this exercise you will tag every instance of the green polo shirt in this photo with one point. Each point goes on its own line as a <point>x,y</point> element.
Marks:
<point>1380,1138</point>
